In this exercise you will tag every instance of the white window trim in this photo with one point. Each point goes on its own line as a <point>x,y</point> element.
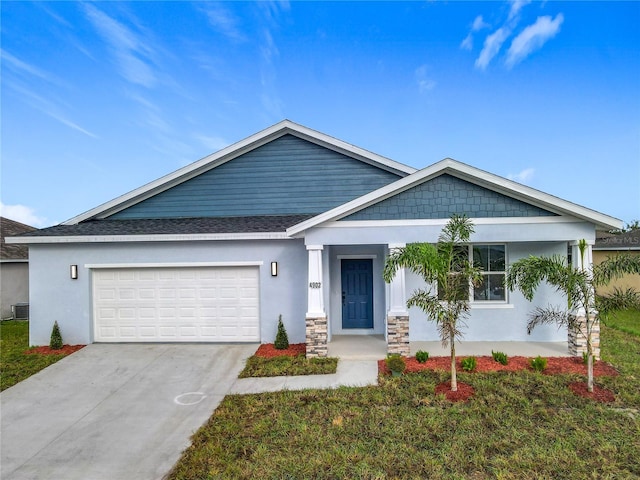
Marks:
<point>489,303</point>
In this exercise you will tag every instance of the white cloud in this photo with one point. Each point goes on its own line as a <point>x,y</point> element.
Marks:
<point>223,21</point>
<point>516,6</point>
<point>532,38</point>
<point>212,143</point>
<point>127,47</point>
<point>424,80</point>
<point>523,176</point>
<point>23,214</point>
<point>492,45</point>
<point>467,43</point>
<point>479,24</point>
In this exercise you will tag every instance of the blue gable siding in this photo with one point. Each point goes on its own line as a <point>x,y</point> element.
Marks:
<point>443,196</point>
<point>286,176</point>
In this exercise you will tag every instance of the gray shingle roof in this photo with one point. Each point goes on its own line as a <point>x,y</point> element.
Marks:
<point>174,226</point>
<point>10,228</point>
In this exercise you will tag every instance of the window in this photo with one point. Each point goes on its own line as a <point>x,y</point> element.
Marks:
<point>491,260</point>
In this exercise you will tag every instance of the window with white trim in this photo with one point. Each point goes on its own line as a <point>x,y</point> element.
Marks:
<point>491,259</point>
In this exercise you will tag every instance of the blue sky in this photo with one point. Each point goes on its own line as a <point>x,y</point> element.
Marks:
<point>101,98</point>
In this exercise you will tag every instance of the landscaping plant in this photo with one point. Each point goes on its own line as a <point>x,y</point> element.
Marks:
<point>56,338</point>
<point>396,363</point>
<point>539,363</point>
<point>500,357</point>
<point>422,356</point>
<point>469,364</point>
<point>282,340</point>
<point>577,283</point>
<point>445,264</point>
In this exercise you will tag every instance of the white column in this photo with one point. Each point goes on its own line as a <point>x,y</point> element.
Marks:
<point>315,302</point>
<point>397,290</point>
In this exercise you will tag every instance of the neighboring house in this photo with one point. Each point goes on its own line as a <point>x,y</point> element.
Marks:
<point>291,221</point>
<point>14,269</point>
<point>608,245</point>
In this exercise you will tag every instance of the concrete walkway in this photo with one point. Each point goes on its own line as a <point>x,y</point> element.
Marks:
<point>350,373</point>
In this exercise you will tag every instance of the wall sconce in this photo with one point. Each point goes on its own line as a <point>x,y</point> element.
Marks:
<point>73,271</point>
<point>274,269</point>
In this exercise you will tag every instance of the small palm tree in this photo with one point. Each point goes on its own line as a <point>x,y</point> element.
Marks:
<point>446,265</point>
<point>577,283</point>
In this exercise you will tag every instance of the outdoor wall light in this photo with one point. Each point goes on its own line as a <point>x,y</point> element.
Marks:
<point>274,269</point>
<point>73,270</point>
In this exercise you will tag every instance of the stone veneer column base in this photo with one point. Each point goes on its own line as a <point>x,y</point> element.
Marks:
<point>316,338</point>
<point>398,335</point>
<point>577,338</point>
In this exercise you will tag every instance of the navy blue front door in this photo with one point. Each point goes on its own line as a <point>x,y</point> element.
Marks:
<point>357,293</point>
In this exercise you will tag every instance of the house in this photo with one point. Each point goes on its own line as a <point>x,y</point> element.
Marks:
<point>14,271</point>
<point>608,245</point>
<point>291,222</point>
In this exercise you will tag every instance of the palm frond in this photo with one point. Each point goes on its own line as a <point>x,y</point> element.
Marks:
<point>548,315</point>
<point>615,267</point>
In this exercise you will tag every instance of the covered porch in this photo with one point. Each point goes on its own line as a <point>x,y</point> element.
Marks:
<point>374,347</point>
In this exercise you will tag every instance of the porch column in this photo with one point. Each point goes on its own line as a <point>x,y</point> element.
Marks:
<point>316,317</point>
<point>577,337</point>
<point>397,315</point>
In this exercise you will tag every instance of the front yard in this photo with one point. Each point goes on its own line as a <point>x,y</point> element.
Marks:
<point>15,364</point>
<point>517,425</point>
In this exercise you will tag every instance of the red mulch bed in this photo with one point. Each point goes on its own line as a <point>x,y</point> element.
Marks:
<point>268,350</point>
<point>555,365</point>
<point>463,393</point>
<point>46,350</point>
<point>599,394</point>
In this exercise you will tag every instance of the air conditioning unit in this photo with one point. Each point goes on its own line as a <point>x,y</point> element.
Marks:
<point>20,311</point>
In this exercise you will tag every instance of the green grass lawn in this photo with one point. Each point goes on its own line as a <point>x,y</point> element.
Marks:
<point>625,320</point>
<point>285,365</point>
<point>15,365</point>
<point>517,425</point>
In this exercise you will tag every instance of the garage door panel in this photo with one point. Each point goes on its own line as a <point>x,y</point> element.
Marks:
<point>176,304</point>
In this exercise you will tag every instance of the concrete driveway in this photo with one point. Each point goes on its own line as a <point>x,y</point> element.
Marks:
<point>113,411</point>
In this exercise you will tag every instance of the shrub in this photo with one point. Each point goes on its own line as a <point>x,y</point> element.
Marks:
<point>395,363</point>
<point>539,363</point>
<point>500,357</point>
<point>282,340</point>
<point>422,356</point>
<point>619,299</point>
<point>56,338</point>
<point>469,364</point>
<point>585,357</point>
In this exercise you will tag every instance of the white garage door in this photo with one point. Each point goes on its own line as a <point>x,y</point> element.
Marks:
<point>194,304</point>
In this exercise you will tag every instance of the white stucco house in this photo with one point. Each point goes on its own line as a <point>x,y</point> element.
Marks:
<point>294,222</point>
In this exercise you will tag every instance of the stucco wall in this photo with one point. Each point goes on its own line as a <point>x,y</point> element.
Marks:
<point>504,322</point>
<point>55,296</point>
<point>628,281</point>
<point>14,286</point>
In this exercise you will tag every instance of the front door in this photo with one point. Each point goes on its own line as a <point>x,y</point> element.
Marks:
<point>357,293</point>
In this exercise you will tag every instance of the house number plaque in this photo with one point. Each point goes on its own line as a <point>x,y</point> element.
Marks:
<point>315,284</point>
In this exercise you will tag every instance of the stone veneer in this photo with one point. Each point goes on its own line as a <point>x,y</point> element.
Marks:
<point>316,338</point>
<point>577,338</point>
<point>398,335</point>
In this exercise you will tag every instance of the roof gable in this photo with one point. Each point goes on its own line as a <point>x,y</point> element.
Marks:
<point>443,196</point>
<point>507,188</point>
<point>288,175</point>
<point>238,149</point>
